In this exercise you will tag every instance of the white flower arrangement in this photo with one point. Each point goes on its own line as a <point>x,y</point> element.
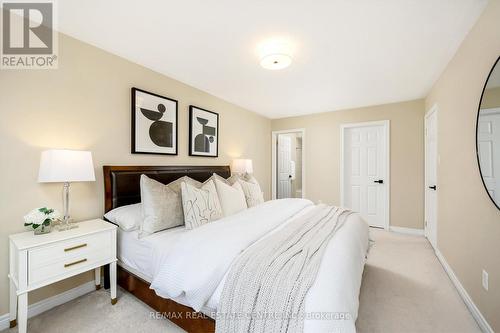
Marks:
<point>41,217</point>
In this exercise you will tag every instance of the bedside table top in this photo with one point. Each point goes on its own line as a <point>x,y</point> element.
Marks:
<point>28,239</point>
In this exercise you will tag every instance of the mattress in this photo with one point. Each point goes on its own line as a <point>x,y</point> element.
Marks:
<point>135,254</point>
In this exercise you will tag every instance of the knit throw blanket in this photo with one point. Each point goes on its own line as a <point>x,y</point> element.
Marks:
<point>267,284</point>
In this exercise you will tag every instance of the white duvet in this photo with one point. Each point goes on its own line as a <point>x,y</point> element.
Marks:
<point>193,271</point>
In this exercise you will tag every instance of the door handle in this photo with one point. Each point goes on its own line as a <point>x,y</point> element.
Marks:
<point>433,187</point>
<point>289,176</point>
<point>380,181</point>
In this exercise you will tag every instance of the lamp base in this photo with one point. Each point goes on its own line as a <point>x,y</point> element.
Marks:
<point>66,226</point>
<point>66,221</point>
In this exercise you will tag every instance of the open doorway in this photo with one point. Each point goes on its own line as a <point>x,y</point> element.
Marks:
<point>288,164</point>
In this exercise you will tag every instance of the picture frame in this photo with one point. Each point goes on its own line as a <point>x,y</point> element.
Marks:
<point>203,132</point>
<point>155,126</point>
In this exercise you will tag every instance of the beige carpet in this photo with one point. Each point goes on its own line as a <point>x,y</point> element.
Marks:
<point>404,289</point>
<point>93,313</point>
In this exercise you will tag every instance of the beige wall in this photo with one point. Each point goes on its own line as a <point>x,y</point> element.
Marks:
<point>468,222</point>
<point>322,155</point>
<point>85,104</point>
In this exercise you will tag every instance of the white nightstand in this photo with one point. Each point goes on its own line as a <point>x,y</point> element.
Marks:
<point>39,260</point>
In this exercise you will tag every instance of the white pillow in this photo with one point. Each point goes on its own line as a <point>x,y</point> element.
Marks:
<point>128,217</point>
<point>161,206</point>
<point>200,205</point>
<point>229,181</point>
<point>253,194</point>
<point>232,198</point>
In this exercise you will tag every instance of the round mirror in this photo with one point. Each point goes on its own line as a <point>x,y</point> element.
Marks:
<point>488,134</point>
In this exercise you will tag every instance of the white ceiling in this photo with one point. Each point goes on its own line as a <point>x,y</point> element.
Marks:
<point>347,53</point>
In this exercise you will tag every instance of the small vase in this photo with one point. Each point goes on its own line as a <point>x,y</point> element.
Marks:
<point>43,229</point>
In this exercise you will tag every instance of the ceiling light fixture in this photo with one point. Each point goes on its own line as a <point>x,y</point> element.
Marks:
<point>275,54</point>
<point>276,61</point>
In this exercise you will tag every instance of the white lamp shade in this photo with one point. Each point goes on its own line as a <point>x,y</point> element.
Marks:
<point>242,166</point>
<point>59,166</point>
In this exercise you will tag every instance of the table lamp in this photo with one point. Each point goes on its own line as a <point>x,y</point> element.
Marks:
<point>66,166</point>
<point>242,166</point>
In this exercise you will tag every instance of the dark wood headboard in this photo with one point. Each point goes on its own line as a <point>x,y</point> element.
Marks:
<point>122,183</point>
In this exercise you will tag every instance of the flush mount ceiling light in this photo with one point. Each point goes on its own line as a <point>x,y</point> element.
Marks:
<point>276,61</point>
<point>275,54</point>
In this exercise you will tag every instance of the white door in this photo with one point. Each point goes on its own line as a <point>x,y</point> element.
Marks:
<point>431,177</point>
<point>488,140</point>
<point>284,172</point>
<point>365,172</point>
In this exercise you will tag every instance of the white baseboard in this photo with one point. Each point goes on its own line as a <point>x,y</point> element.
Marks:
<point>4,321</point>
<point>51,302</point>
<point>483,324</point>
<point>407,231</point>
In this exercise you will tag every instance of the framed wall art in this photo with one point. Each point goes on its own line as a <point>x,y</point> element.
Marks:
<point>203,132</point>
<point>154,123</point>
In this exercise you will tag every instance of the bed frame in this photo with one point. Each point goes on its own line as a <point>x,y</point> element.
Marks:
<point>122,187</point>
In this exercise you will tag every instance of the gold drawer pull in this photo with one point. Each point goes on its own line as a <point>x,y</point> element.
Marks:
<point>75,247</point>
<point>74,263</point>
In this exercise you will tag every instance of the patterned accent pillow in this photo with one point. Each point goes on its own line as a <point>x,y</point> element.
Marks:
<point>161,206</point>
<point>201,205</point>
<point>253,194</point>
<point>250,178</point>
<point>176,184</point>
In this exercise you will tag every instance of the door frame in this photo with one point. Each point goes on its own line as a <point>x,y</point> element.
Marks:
<point>274,142</point>
<point>433,109</point>
<point>386,124</point>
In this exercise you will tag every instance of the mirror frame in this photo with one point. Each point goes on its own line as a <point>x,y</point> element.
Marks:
<point>497,62</point>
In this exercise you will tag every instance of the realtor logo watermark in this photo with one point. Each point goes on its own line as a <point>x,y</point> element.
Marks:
<point>29,38</point>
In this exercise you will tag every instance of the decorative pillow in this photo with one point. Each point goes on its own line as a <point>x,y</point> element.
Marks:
<point>229,181</point>
<point>253,194</point>
<point>128,217</point>
<point>201,205</point>
<point>161,206</point>
<point>232,198</point>
<point>176,184</point>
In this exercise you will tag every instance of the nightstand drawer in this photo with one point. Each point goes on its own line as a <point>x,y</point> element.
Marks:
<point>68,265</point>
<point>66,251</point>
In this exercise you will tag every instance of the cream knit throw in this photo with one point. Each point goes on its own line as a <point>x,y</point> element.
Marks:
<point>266,286</point>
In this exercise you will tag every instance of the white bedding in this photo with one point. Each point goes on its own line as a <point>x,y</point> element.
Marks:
<point>190,266</point>
<point>136,253</point>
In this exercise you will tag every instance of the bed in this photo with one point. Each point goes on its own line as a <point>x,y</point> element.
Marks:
<point>167,260</point>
